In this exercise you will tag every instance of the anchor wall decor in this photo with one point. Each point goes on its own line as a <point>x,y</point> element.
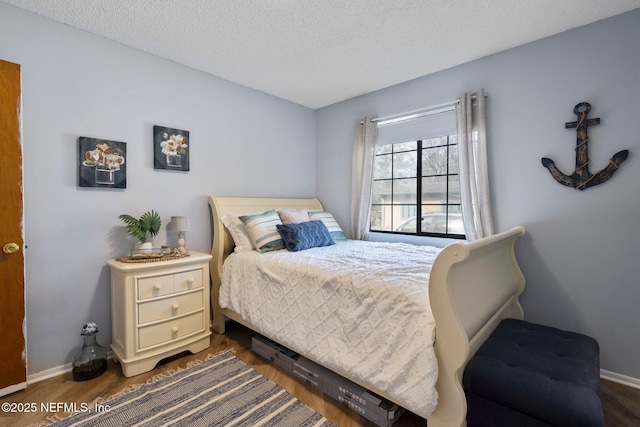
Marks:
<point>581,178</point>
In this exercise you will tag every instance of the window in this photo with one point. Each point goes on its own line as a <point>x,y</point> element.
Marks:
<point>418,179</point>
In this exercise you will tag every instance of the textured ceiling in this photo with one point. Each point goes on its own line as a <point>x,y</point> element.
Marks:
<point>318,52</point>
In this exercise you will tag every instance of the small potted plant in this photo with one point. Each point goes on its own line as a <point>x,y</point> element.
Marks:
<point>149,223</point>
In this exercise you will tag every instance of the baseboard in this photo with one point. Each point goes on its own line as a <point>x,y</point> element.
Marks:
<point>49,373</point>
<point>620,379</point>
<point>60,370</point>
<point>54,372</point>
<point>12,389</point>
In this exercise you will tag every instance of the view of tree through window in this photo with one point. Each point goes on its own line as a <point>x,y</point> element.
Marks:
<point>417,179</point>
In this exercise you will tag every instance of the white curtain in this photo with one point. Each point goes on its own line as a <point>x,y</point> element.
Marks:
<point>474,174</point>
<point>364,146</point>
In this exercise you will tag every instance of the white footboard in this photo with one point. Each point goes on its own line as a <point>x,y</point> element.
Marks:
<point>472,287</point>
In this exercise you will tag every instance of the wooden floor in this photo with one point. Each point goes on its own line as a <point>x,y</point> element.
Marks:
<point>621,404</point>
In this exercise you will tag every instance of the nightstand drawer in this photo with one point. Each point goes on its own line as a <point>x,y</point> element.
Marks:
<point>169,307</point>
<point>156,286</point>
<point>188,280</point>
<point>171,330</point>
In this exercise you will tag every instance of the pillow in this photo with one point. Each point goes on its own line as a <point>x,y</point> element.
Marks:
<point>238,232</point>
<point>305,235</point>
<point>262,230</point>
<point>293,216</point>
<point>332,225</point>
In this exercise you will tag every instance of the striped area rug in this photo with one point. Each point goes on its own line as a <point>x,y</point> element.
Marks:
<point>221,391</point>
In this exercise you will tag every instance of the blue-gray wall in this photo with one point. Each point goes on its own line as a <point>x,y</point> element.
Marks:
<point>581,256</point>
<point>242,142</point>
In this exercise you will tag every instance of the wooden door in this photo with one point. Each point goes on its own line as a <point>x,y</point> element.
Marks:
<point>13,370</point>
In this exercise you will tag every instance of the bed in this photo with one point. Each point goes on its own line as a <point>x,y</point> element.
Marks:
<point>471,287</point>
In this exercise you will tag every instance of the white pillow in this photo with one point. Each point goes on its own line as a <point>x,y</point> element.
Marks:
<point>239,233</point>
<point>263,231</point>
<point>293,216</point>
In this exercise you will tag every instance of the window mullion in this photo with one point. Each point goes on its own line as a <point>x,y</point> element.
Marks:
<point>446,217</point>
<point>419,188</point>
<point>393,184</point>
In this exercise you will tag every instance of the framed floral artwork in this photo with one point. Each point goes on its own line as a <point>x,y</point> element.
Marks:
<point>170,149</point>
<point>102,163</point>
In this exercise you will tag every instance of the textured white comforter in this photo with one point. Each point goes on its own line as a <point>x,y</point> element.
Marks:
<point>359,308</point>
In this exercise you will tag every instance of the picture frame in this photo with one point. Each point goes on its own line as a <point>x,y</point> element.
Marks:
<point>170,149</point>
<point>102,163</point>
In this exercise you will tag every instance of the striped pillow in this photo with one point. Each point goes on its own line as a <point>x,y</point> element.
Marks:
<point>262,230</point>
<point>332,225</point>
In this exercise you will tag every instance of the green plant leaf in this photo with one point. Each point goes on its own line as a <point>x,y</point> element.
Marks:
<point>151,222</point>
<point>128,219</point>
<point>134,227</point>
<point>138,228</point>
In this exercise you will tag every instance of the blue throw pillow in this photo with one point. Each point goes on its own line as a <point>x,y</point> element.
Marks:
<point>305,235</point>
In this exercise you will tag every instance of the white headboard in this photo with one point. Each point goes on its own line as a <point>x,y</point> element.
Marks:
<point>223,243</point>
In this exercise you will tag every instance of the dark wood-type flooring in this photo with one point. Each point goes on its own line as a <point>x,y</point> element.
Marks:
<point>621,403</point>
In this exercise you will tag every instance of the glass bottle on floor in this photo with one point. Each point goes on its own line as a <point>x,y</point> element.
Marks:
<point>91,361</point>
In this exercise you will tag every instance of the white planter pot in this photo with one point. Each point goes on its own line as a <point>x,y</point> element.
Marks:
<point>146,247</point>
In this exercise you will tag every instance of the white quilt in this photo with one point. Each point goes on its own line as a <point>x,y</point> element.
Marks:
<point>359,308</point>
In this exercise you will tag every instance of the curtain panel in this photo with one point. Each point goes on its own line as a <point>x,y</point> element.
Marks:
<point>474,172</point>
<point>364,150</point>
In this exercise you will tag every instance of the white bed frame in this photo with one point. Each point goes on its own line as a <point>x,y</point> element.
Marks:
<point>472,287</point>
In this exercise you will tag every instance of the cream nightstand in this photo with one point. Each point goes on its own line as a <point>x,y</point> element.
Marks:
<point>158,309</point>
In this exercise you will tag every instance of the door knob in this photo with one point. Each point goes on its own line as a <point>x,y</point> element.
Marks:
<point>10,248</point>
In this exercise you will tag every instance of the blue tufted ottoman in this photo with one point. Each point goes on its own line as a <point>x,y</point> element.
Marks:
<point>532,375</point>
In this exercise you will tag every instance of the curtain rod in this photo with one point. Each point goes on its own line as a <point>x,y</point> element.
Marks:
<point>419,110</point>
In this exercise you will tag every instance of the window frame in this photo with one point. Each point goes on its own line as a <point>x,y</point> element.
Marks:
<point>419,177</point>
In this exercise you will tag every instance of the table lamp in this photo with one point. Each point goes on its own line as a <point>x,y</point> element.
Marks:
<point>180,224</point>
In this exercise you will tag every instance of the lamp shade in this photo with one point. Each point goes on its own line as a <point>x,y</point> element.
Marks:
<point>180,223</point>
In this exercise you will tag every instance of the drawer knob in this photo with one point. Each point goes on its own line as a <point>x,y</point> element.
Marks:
<point>175,306</point>
<point>190,280</point>
<point>157,286</point>
<point>175,329</point>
